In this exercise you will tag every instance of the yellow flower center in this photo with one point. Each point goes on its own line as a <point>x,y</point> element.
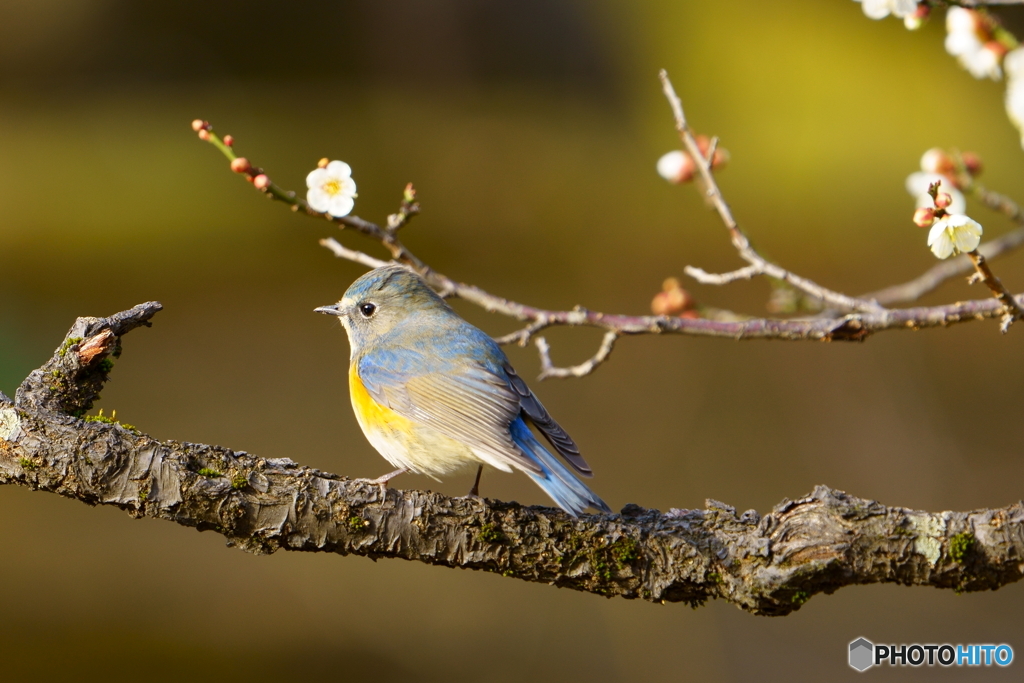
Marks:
<point>332,187</point>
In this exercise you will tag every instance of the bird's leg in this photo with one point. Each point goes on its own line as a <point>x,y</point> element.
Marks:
<point>475,491</point>
<point>382,482</point>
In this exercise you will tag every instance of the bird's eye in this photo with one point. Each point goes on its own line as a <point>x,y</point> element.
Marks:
<point>367,309</point>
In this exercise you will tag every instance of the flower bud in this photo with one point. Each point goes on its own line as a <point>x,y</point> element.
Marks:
<point>261,181</point>
<point>204,134</point>
<point>972,162</point>
<point>229,141</point>
<point>323,163</point>
<point>240,165</point>
<point>676,167</point>
<point>703,143</point>
<point>916,19</point>
<point>721,158</point>
<point>924,217</point>
<point>943,200</point>
<point>199,125</point>
<point>672,300</point>
<point>936,160</point>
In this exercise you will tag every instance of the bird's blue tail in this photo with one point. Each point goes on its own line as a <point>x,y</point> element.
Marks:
<point>557,481</point>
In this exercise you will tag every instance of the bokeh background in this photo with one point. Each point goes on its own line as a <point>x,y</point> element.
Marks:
<point>531,130</point>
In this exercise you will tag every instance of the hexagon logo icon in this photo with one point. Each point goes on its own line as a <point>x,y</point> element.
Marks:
<point>862,654</point>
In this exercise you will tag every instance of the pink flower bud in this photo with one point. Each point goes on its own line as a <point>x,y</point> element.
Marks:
<point>721,158</point>
<point>240,165</point>
<point>199,125</point>
<point>261,181</point>
<point>703,143</point>
<point>229,141</point>
<point>204,134</point>
<point>672,300</point>
<point>924,217</point>
<point>943,200</point>
<point>972,162</point>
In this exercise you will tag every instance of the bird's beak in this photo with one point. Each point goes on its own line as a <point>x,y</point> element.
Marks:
<point>329,310</point>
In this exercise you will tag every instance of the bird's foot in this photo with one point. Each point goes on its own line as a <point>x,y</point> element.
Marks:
<point>475,491</point>
<point>382,481</point>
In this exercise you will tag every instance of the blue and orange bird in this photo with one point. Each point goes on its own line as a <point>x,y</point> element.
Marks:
<point>434,394</point>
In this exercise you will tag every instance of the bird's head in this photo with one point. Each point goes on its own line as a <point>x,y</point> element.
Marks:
<point>382,300</point>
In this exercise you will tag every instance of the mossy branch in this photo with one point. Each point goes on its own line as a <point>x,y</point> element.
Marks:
<point>767,565</point>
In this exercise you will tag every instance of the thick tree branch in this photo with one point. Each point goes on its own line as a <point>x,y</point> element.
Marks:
<point>72,379</point>
<point>767,565</point>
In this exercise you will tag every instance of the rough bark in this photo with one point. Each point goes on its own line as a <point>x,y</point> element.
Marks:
<point>767,565</point>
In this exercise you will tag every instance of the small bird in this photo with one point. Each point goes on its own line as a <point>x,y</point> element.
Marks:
<point>434,394</point>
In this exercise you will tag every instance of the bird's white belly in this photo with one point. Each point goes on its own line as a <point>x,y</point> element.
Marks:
<point>420,449</point>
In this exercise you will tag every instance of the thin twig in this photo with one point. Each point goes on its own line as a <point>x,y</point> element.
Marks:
<point>939,273</point>
<point>739,239</point>
<point>1011,309</point>
<point>851,327</point>
<point>408,209</point>
<point>704,277</point>
<point>522,337</point>
<point>960,265</point>
<point>995,201</point>
<point>547,369</point>
<point>341,251</point>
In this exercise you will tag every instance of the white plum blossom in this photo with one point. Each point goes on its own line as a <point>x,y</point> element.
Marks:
<point>918,184</point>
<point>960,20</point>
<point>966,40</point>
<point>880,9</point>
<point>1015,105</point>
<point>331,189</point>
<point>1014,65</point>
<point>983,63</point>
<point>954,233</point>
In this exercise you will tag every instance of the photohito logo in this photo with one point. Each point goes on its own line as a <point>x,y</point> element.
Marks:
<point>864,654</point>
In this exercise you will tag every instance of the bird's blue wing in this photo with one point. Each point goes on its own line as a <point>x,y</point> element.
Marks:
<point>454,392</point>
<point>538,415</point>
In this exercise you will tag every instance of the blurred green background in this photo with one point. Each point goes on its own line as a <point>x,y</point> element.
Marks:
<point>531,130</point>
